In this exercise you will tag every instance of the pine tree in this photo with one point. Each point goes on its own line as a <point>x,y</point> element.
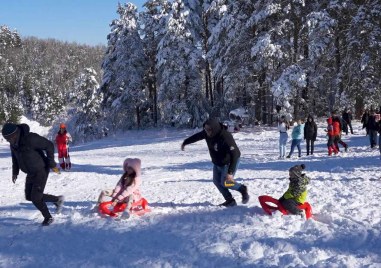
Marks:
<point>10,101</point>
<point>153,19</point>
<point>84,109</point>
<point>179,73</point>
<point>124,70</point>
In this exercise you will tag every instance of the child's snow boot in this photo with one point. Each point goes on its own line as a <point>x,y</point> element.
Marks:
<point>62,165</point>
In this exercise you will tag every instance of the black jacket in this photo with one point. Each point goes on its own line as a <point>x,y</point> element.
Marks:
<point>310,129</point>
<point>347,117</point>
<point>372,124</point>
<point>32,152</point>
<point>222,148</point>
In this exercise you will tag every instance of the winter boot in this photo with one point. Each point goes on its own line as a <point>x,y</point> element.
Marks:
<point>59,203</point>
<point>62,165</point>
<point>47,221</point>
<point>245,195</point>
<point>68,166</point>
<point>229,203</point>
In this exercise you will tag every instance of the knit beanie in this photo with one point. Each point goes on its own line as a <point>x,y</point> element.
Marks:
<point>8,129</point>
<point>296,171</point>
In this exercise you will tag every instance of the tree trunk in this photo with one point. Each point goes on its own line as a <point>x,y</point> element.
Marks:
<point>138,116</point>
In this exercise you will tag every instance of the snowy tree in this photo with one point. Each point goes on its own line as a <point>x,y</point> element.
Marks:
<point>362,60</point>
<point>10,100</point>
<point>125,66</point>
<point>153,20</point>
<point>85,102</point>
<point>179,72</point>
<point>289,84</point>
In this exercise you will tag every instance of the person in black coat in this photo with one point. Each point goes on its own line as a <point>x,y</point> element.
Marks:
<point>364,120</point>
<point>372,126</point>
<point>310,133</point>
<point>34,155</point>
<point>347,117</point>
<point>225,157</point>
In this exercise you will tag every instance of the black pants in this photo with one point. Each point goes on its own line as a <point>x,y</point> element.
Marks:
<point>310,144</point>
<point>34,191</point>
<point>350,127</point>
<point>291,206</point>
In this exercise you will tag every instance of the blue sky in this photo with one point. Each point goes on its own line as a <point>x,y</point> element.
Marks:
<point>81,21</point>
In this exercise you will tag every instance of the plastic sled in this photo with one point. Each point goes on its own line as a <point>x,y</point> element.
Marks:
<point>139,208</point>
<point>276,205</point>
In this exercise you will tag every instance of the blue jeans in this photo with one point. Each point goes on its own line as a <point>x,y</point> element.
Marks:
<point>282,144</point>
<point>373,138</point>
<point>219,175</point>
<point>296,143</point>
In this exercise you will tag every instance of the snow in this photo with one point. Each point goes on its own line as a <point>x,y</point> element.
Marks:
<point>185,227</point>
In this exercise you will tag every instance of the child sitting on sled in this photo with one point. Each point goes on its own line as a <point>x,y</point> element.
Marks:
<point>127,188</point>
<point>296,193</point>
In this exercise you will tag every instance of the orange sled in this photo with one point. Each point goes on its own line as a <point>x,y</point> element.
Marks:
<point>269,209</point>
<point>139,208</point>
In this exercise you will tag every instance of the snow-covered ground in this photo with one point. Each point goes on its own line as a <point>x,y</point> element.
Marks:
<point>185,227</point>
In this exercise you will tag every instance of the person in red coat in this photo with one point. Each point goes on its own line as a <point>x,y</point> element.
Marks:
<point>331,137</point>
<point>62,140</point>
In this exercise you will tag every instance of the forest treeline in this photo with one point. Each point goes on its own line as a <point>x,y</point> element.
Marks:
<point>178,62</point>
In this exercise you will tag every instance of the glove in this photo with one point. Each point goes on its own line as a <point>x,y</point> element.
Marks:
<point>56,170</point>
<point>14,178</point>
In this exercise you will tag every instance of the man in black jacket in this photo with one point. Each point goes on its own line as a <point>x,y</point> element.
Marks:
<point>34,155</point>
<point>225,157</point>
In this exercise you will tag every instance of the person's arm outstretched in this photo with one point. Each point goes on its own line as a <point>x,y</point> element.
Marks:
<point>194,138</point>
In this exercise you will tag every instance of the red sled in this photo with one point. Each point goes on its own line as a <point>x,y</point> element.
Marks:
<point>139,208</point>
<point>269,209</point>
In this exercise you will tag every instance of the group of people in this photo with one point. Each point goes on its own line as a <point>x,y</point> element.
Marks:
<point>308,131</point>
<point>34,155</point>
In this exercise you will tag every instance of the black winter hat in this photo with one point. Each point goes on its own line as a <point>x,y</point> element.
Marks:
<point>8,129</point>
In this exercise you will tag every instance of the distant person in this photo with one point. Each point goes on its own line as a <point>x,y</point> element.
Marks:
<point>297,136</point>
<point>364,120</point>
<point>225,157</point>
<point>347,117</point>
<point>372,127</point>
<point>283,127</point>
<point>337,124</point>
<point>331,138</point>
<point>378,121</point>
<point>310,134</point>
<point>34,155</point>
<point>296,193</point>
<point>127,190</point>
<point>62,140</point>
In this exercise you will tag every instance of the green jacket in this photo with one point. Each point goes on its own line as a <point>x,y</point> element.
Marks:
<point>297,189</point>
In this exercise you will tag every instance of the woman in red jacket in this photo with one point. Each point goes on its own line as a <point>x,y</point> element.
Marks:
<point>62,140</point>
